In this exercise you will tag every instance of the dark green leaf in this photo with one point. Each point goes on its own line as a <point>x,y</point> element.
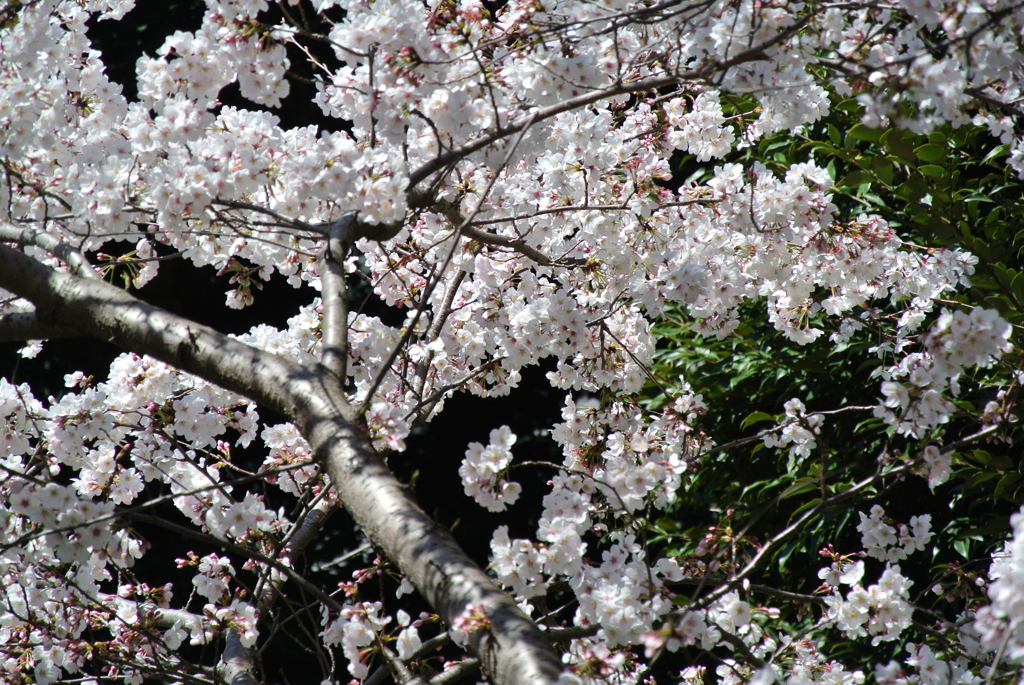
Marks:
<point>855,179</point>
<point>931,153</point>
<point>834,135</point>
<point>756,417</point>
<point>862,132</point>
<point>800,486</point>
<point>896,142</point>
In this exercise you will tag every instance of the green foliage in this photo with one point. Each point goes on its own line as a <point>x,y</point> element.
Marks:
<point>950,188</point>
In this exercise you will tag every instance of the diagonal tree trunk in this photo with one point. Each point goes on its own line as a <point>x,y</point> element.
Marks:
<point>514,651</point>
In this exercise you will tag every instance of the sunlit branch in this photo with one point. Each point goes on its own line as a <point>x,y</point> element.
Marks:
<point>75,260</point>
<point>334,296</point>
<point>24,326</point>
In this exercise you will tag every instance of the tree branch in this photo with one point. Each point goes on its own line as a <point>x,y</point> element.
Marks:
<point>514,651</point>
<point>159,616</point>
<point>241,551</point>
<point>753,587</point>
<point>75,260</point>
<point>751,54</point>
<point>539,114</point>
<point>24,326</point>
<point>237,666</point>
<point>334,295</point>
<point>318,229</point>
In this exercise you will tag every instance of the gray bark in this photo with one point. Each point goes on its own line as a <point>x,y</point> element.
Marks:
<point>334,296</point>
<point>514,651</point>
<point>27,326</point>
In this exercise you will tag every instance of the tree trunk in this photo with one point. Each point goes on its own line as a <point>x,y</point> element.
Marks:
<point>514,651</point>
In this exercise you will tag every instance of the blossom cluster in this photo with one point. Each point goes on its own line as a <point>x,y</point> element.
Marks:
<point>483,468</point>
<point>881,610</point>
<point>927,667</point>
<point>700,130</point>
<point>798,429</point>
<point>214,575</point>
<point>146,423</point>
<point>882,541</point>
<point>999,627</point>
<point>358,626</point>
<point>958,340</point>
<point>625,595</point>
<point>562,243</point>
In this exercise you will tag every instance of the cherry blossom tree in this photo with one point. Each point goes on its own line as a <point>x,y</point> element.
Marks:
<point>508,180</point>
